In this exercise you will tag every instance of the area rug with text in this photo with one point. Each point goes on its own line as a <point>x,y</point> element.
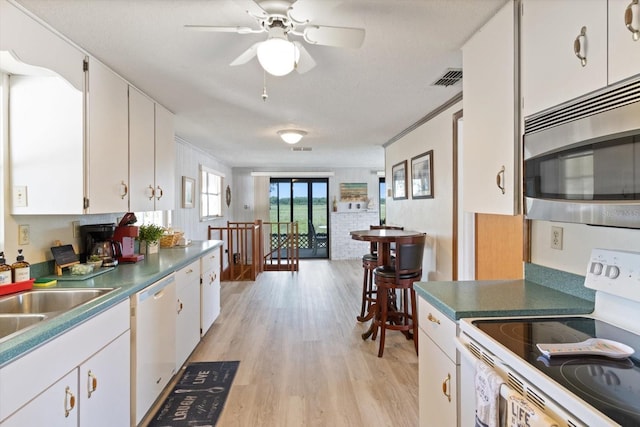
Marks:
<point>199,396</point>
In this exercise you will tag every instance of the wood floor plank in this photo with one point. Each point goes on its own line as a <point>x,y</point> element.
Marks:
<point>302,360</point>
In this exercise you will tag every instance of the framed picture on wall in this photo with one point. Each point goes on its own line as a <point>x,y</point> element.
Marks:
<point>399,180</point>
<point>422,176</point>
<point>188,192</point>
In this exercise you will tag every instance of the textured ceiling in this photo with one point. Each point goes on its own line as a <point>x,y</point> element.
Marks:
<point>351,103</point>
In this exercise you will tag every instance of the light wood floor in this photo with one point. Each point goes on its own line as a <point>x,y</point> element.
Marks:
<point>302,360</point>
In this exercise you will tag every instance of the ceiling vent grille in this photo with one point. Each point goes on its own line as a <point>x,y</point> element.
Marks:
<point>450,77</point>
<point>300,148</point>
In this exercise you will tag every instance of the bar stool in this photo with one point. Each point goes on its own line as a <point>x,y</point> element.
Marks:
<point>406,270</point>
<point>369,263</point>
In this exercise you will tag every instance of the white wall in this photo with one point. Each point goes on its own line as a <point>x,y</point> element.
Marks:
<point>188,161</point>
<point>433,216</point>
<point>578,240</point>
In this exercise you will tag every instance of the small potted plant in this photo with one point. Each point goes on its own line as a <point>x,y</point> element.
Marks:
<point>149,236</point>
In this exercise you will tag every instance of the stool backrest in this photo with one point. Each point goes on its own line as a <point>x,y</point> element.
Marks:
<point>409,253</point>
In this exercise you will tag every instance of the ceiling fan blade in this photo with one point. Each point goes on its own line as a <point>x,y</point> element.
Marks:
<point>213,28</point>
<point>252,8</point>
<point>334,36</point>
<point>303,11</point>
<point>246,56</point>
<point>306,62</point>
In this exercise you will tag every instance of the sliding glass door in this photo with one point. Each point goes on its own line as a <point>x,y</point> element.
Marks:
<point>304,200</point>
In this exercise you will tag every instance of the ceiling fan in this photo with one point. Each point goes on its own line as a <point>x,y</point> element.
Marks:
<point>281,19</point>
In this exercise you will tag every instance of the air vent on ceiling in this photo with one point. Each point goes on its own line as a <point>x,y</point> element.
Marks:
<point>300,148</point>
<point>450,77</point>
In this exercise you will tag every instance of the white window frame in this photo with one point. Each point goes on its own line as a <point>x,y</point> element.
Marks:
<point>208,212</point>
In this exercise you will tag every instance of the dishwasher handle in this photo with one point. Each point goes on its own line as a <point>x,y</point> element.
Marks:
<point>156,289</point>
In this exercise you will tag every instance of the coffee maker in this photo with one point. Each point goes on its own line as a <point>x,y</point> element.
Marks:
<point>97,240</point>
<point>124,237</point>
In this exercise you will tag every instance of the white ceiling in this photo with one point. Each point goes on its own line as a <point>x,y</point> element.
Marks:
<point>351,103</point>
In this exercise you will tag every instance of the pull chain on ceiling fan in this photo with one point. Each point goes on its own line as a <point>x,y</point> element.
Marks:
<point>280,19</point>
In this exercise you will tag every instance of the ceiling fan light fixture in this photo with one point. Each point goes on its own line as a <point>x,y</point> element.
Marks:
<point>277,55</point>
<point>291,136</point>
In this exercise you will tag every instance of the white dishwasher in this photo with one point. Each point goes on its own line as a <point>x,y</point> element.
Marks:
<point>153,337</point>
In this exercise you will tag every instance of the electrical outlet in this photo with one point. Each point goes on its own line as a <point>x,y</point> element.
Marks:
<point>24,234</point>
<point>556,238</point>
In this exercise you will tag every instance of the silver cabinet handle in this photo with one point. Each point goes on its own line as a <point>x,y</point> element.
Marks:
<point>580,46</point>
<point>500,179</point>
<point>446,387</point>
<point>628,19</point>
<point>125,189</point>
<point>69,402</point>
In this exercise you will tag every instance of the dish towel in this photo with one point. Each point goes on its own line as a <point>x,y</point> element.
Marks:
<point>521,412</point>
<point>487,384</point>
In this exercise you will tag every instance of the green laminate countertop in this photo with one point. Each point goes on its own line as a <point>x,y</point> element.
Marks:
<point>499,298</point>
<point>126,279</point>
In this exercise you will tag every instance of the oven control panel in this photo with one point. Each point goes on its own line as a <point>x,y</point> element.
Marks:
<point>614,272</point>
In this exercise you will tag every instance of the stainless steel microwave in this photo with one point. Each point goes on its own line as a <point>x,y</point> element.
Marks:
<point>582,160</point>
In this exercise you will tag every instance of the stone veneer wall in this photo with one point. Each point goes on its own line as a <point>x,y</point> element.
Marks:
<point>340,224</point>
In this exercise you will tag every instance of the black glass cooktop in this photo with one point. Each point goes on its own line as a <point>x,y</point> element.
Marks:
<point>612,386</point>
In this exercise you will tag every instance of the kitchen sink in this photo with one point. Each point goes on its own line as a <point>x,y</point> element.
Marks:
<point>48,301</point>
<point>23,310</point>
<point>12,323</point>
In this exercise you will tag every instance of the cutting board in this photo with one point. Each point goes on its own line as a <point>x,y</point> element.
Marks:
<point>66,275</point>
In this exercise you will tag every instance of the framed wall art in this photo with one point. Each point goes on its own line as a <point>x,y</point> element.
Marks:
<point>399,180</point>
<point>188,192</point>
<point>422,176</point>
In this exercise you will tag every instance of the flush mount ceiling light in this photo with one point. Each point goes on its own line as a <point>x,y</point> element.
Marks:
<point>291,136</point>
<point>277,55</point>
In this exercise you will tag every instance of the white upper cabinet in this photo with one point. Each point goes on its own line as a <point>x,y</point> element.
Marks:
<point>107,141</point>
<point>574,47</point>
<point>165,160</point>
<point>141,152</point>
<point>152,155</point>
<point>491,171</point>
<point>624,39</point>
<point>41,47</point>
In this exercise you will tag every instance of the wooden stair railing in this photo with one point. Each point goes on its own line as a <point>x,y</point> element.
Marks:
<point>282,245</point>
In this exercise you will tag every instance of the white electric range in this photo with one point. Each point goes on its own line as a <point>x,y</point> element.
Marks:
<point>576,390</point>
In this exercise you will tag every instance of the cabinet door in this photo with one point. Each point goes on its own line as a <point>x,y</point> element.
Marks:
<point>108,141</point>
<point>165,160</point>
<point>188,311</point>
<point>551,71</point>
<point>35,44</point>
<point>105,385</point>
<point>491,129</point>
<point>624,51</point>
<point>210,291</point>
<point>438,390</point>
<point>56,406</point>
<point>141,152</point>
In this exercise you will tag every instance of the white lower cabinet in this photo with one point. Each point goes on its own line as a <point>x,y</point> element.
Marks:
<point>187,311</point>
<point>153,340</point>
<point>56,406</point>
<point>53,379</point>
<point>105,381</point>
<point>438,393</point>
<point>209,290</point>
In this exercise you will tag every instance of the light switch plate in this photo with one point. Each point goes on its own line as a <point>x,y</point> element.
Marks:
<point>20,196</point>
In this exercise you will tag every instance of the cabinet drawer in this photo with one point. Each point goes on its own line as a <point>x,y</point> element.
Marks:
<point>210,261</point>
<point>188,274</point>
<point>438,327</point>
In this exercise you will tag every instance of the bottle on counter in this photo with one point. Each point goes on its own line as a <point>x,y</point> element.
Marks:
<point>5,271</point>
<point>21,269</point>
